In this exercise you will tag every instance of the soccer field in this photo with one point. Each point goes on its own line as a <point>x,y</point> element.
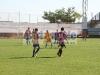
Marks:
<point>80,59</point>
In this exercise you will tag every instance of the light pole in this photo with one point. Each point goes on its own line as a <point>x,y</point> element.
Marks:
<point>19,16</point>
<point>37,18</point>
<point>29,18</point>
<point>8,16</point>
<point>84,14</point>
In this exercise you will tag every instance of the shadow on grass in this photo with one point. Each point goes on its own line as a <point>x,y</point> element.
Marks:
<point>56,47</point>
<point>42,48</point>
<point>17,45</point>
<point>46,57</point>
<point>20,43</point>
<point>50,48</point>
<point>20,57</point>
<point>30,57</point>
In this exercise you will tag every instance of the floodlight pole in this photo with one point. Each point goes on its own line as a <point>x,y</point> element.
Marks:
<point>37,18</point>
<point>29,18</point>
<point>19,16</point>
<point>84,14</point>
<point>8,16</point>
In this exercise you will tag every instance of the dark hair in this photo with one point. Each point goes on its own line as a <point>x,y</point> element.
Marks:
<point>28,27</point>
<point>36,29</point>
<point>62,28</point>
<point>46,30</point>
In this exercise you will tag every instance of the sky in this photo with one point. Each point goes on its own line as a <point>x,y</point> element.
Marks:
<point>10,9</point>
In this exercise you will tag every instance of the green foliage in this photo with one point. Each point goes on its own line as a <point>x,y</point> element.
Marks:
<point>49,16</point>
<point>66,16</point>
<point>80,59</point>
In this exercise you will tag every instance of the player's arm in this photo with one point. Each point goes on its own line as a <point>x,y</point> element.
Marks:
<point>37,36</point>
<point>65,36</point>
<point>67,41</point>
<point>45,36</point>
<point>50,35</point>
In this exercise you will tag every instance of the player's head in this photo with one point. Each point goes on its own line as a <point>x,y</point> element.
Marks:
<point>36,29</point>
<point>62,28</point>
<point>83,31</point>
<point>57,30</point>
<point>47,31</point>
<point>28,28</point>
<point>33,29</point>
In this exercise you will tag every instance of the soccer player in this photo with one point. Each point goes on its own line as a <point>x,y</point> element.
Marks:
<point>27,35</point>
<point>56,37</point>
<point>84,36</point>
<point>33,31</point>
<point>36,46</point>
<point>47,37</point>
<point>61,39</point>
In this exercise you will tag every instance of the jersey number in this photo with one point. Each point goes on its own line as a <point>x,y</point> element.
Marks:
<point>60,35</point>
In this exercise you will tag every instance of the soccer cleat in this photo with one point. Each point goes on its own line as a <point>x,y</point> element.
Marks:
<point>58,54</point>
<point>32,55</point>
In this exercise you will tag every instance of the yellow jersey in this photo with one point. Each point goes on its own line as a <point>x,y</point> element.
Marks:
<point>47,36</point>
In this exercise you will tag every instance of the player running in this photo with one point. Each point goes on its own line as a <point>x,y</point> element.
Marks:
<point>35,42</point>
<point>61,39</point>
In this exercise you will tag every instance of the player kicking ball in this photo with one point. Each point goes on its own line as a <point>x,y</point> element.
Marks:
<point>61,39</point>
<point>35,42</point>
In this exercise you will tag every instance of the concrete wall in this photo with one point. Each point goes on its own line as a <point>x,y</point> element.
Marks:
<point>11,35</point>
<point>12,29</point>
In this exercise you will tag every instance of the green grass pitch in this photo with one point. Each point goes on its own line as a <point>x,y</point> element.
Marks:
<point>80,59</point>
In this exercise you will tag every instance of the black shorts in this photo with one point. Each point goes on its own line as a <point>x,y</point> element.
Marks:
<point>61,44</point>
<point>35,45</point>
<point>56,38</point>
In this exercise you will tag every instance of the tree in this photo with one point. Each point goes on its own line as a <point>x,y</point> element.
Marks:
<point>49,16</point>
<point>77,15</point>
<point>60,14</point>
<point>66,16</point>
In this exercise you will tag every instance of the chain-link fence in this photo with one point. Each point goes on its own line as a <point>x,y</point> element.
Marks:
<point>20,17</point>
